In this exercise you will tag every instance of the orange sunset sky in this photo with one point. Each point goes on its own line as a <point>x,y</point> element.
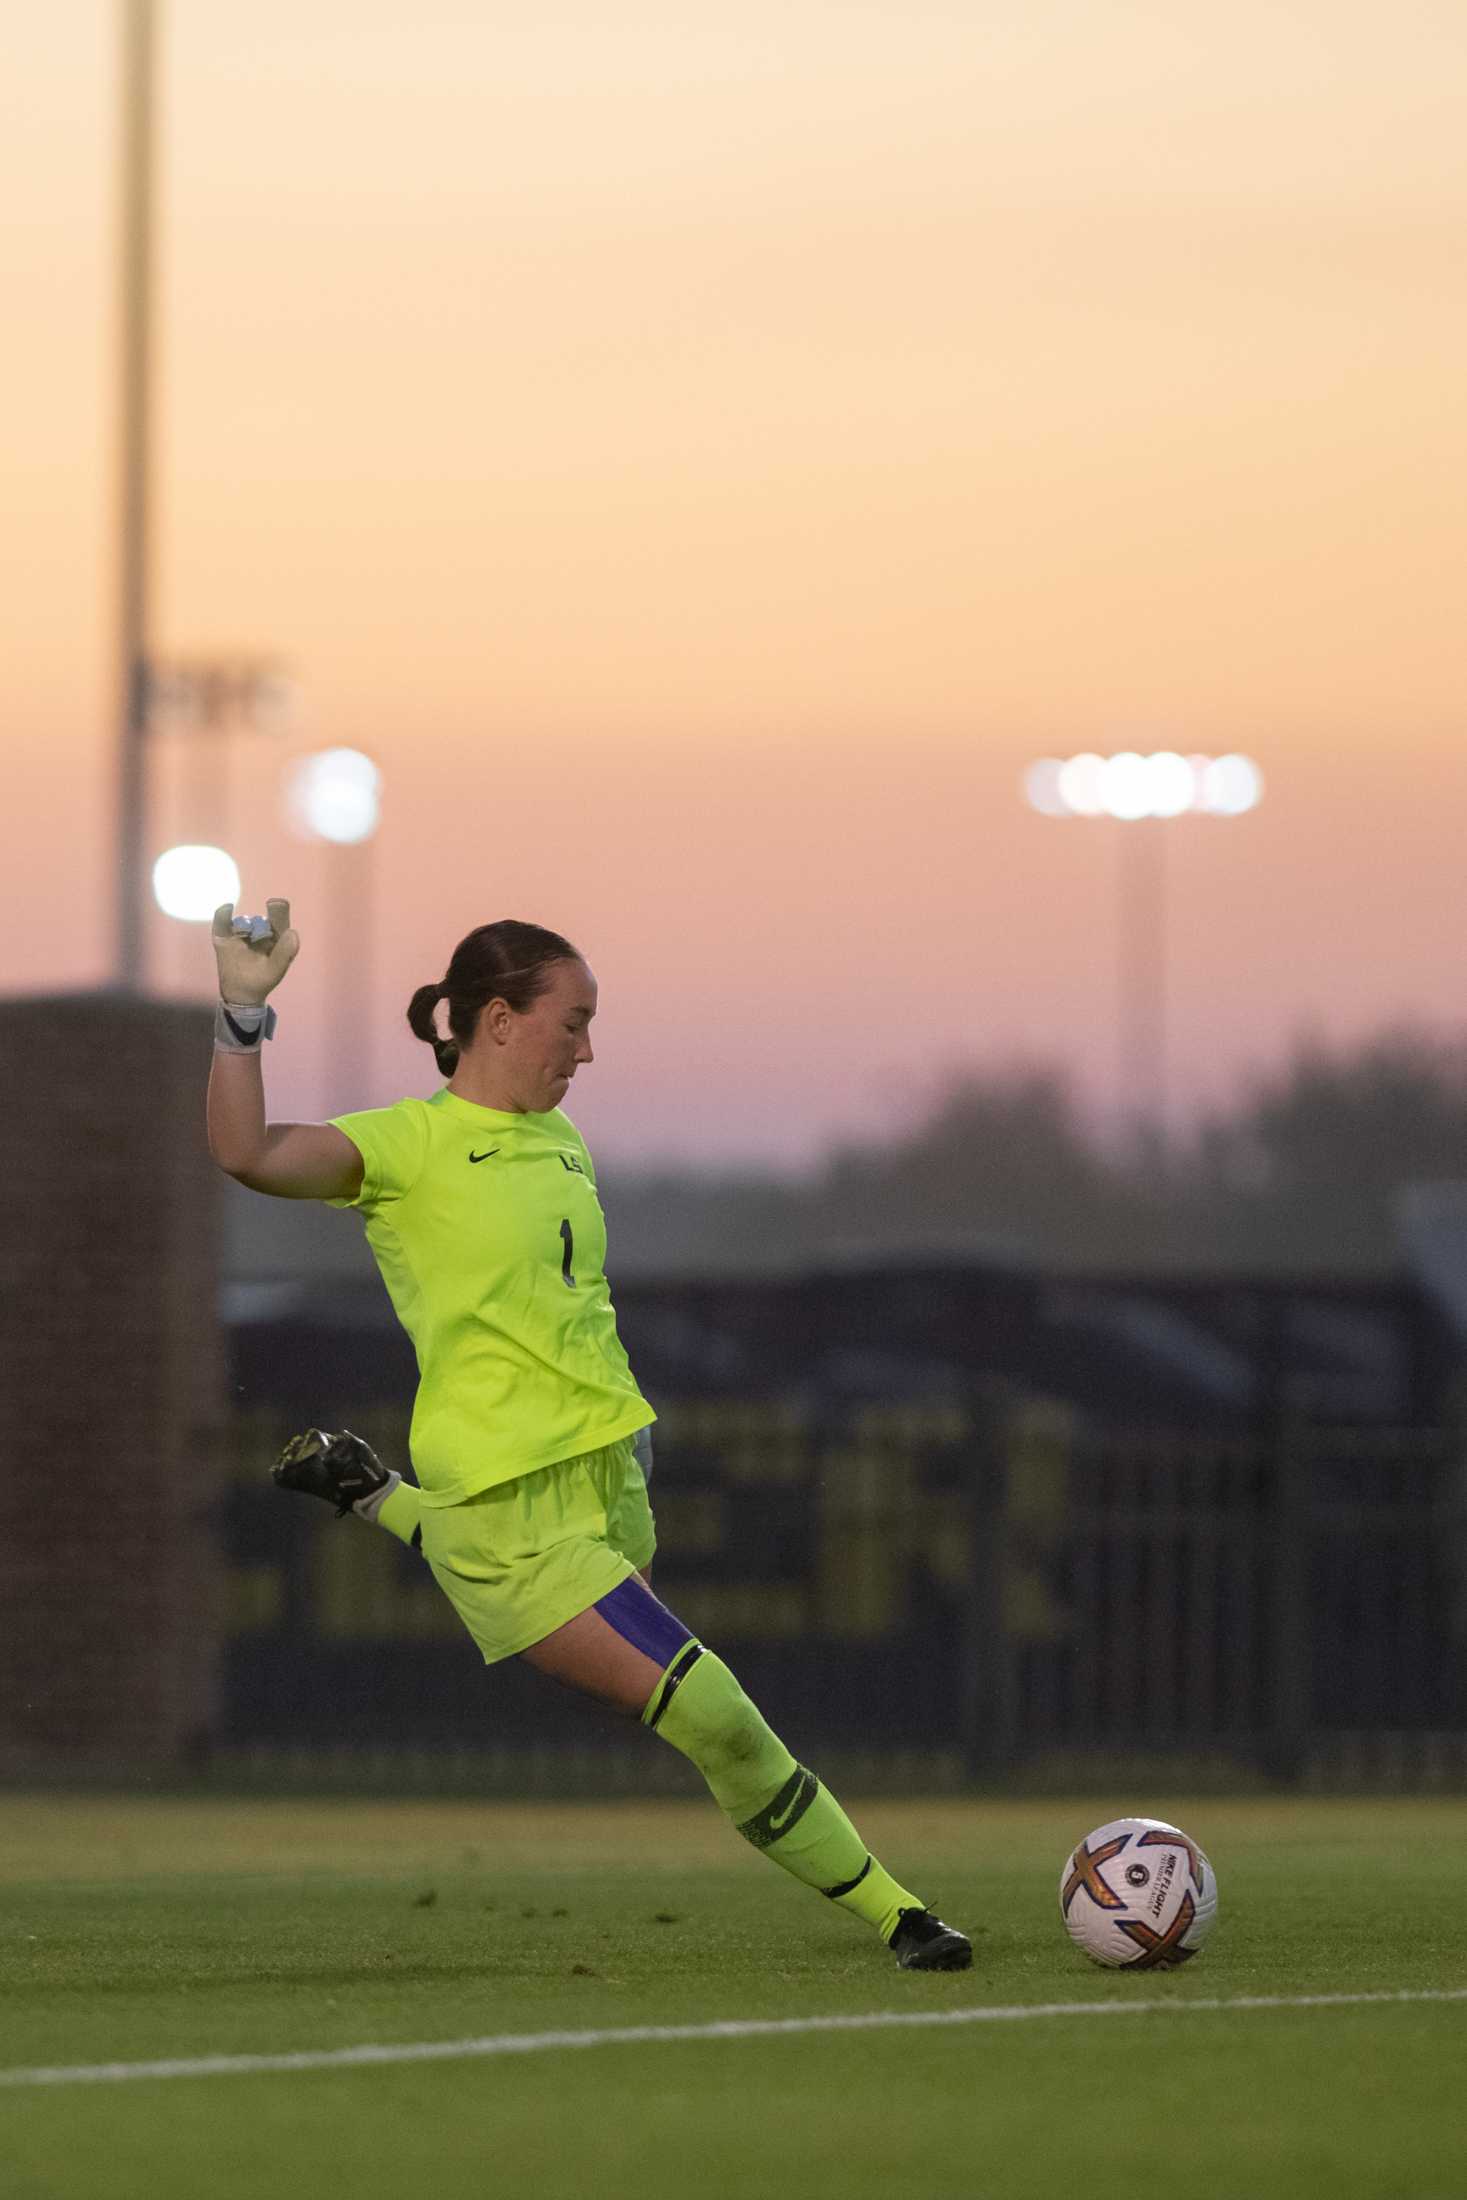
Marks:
<point>703,453</point>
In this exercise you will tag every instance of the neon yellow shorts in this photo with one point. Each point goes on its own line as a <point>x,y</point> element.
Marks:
<point>520,1559</point>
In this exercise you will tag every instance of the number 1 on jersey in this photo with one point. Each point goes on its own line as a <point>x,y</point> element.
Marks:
<point>565,1266</point>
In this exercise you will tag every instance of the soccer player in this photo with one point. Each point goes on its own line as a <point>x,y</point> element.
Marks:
<point>532,1511</point>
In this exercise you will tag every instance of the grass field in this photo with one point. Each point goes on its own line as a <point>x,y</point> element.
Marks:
<point>136,1931</point>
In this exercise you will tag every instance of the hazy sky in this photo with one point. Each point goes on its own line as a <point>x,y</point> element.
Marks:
<point>703,453</point>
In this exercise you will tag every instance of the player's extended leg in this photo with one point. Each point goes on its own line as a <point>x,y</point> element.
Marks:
<point>631,1652</point>
<point>345,1471</point>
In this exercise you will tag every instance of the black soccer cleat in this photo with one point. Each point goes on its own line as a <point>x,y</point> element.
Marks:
<point>922,1942</point>
<point>340,1468</point>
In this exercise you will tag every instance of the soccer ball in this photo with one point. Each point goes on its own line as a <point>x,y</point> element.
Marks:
<point>1138,1894</point>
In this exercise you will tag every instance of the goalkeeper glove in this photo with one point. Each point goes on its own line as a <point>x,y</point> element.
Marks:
<point>253,953</point>
<point>342,1468</point>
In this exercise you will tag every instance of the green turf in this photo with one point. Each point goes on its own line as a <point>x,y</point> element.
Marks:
<point>133,1930</point>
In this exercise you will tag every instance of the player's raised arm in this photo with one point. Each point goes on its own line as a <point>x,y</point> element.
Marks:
<point>291,1160</point>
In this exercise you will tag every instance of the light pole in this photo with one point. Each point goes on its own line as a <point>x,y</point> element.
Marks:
<point>198,704</point>
<point>195,708</point>
<point>335,797</point>
<point>193,696</point>
<point>135,267</point>
<point>1142,793</point>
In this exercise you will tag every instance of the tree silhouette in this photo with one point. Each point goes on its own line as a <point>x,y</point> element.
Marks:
<point>1002,1164</point>
<point>1306,1170</point>
<point>1300,1174</point>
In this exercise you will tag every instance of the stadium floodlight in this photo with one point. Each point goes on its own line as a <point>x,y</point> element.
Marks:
<point>1042,788</point>
<point>1132,788</point>
<point>1081,785</point>
<point>335,795</point>
<point>1171,783</point>
<point>1231,785</point>
<point>190,882</point>
<point>1125,785</point>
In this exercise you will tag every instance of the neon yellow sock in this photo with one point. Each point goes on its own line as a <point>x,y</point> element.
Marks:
<point>775,1803</point>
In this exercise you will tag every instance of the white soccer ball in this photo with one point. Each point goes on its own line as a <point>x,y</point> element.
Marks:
<point>1138,1895</point>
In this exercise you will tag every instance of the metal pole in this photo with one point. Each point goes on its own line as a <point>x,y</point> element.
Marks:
<point>1143,974</point>
<point>135,276</point>
<point>346,1030</point>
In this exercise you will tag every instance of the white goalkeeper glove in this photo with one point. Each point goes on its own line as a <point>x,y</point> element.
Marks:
<point>253,954</point>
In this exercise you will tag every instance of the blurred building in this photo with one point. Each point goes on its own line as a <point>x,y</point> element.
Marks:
<point>114,1386</point>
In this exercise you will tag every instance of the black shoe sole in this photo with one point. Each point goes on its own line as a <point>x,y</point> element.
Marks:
<point>951,1953</point>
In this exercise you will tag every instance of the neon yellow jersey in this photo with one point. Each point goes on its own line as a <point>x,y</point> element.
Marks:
<point>492,1244</point>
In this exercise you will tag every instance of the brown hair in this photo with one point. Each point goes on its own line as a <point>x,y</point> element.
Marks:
<point>497,962</point>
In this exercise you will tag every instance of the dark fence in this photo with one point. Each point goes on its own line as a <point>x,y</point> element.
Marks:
<point>1269,1598</point>
<point>951,1589</point>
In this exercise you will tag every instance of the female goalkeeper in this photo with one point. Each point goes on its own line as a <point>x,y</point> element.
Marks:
<point>480,1206</point>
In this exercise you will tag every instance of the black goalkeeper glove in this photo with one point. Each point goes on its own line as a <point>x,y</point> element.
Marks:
<point>342,1468</point>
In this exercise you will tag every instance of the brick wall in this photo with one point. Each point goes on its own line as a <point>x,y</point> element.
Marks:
<point>111,1386</point>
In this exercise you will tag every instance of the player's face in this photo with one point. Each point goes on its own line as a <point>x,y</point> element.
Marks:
<point>552,1038</point>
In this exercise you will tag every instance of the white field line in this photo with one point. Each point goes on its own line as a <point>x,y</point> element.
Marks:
<point>641,2035</point>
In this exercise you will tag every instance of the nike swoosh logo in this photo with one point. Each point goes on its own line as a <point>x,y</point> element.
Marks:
<point>484,1156</point>
<point>245,1038</point>
<point>776,1824</point>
